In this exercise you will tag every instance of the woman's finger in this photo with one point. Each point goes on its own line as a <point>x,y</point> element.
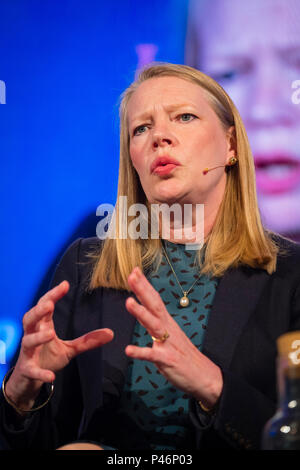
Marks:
<point>145,354</point>
<point>56,293</point>
<point>91,340</point>
<point>36,373</point>
<point>37,313</point>
<point>159,356</point>
<point>34,340</point>
<point>149,321</point>
<point>44,307</point>
<point>145,292</point>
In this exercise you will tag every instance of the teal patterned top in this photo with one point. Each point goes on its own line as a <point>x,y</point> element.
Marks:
<point>155,411</point>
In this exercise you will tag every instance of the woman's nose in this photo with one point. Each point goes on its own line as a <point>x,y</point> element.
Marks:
<point>269,104</point>
<point>162,135</point>
<point>161,141</point>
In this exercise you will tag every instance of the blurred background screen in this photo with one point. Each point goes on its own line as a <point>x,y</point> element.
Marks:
<point>63,67</point>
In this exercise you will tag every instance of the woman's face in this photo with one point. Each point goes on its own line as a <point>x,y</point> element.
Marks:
<point>253,50</point>
<point>174,136</point>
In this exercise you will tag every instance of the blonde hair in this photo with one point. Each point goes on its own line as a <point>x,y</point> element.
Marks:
<point>237,237</point>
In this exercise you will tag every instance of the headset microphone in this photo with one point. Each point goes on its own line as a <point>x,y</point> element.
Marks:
<point>232,161</point>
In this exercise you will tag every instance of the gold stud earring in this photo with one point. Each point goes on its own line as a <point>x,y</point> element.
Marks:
<point>232,161</point>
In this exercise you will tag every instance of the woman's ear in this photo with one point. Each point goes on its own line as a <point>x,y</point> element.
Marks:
<point>231,142</point>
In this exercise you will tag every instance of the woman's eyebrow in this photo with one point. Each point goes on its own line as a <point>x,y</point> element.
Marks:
<point>169,108</point>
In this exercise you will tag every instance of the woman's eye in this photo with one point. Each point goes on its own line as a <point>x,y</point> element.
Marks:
<point>235,72</point>
<point>140,129</point>
<point>187,117</point>
<point>226,76</point>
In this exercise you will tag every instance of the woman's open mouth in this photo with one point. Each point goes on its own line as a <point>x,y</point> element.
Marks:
<point>277,173</point>
<point>164,169</point>
<point>164,165</point>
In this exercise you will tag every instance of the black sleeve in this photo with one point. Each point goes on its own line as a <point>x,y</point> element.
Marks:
<point>242,410</point>
<point>57,422</point>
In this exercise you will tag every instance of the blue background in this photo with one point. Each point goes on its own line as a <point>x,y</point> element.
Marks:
<point>65,64</point>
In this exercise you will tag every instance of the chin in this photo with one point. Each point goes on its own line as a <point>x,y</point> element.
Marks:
<point>170,198</point>
<point>167,192</point>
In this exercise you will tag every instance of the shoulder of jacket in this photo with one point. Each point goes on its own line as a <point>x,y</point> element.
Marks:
<point>91,242</point>
<point>88,248</point>
<point>288,259</point>
<point>287,246</point>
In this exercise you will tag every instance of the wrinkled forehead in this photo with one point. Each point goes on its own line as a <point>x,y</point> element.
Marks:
<point>165,91</point>
<point>239,24</point>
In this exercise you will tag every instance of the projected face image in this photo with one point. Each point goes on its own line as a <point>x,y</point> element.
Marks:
<point>253,50</point>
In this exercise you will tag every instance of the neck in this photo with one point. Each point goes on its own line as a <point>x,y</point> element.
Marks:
<point>190,223</point>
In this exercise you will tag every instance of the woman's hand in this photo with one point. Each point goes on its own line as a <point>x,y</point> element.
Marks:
<point>176,358</point>
<point>42,353</point>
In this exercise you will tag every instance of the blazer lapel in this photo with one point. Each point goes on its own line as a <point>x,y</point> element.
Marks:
<point>116,317</point>
<point>235,299</point>
<point>88,318</point>
<point>102,370</point>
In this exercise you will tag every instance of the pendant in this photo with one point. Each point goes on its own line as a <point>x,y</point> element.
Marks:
<point>184,301</point>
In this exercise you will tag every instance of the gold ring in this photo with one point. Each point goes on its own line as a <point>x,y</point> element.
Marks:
<point>162,339</point>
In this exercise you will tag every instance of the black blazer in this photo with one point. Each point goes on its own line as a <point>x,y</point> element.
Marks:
<point>251,309</point>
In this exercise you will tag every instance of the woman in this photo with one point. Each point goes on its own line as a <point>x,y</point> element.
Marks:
<point>253,52</point>
<point>188,359</point>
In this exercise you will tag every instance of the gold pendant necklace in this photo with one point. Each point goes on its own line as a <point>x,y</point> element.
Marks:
<point>184,300</point>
